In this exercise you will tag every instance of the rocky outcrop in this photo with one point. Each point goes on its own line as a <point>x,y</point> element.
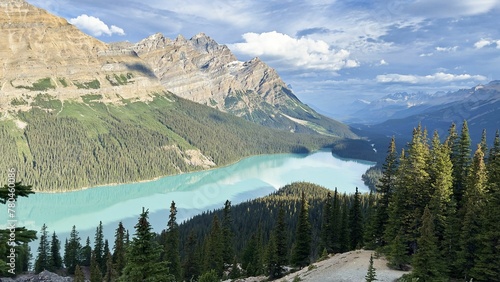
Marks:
<point>44,276</point>
<point>42,53</point>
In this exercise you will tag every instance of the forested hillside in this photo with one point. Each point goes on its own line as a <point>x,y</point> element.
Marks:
<point>64,145</point>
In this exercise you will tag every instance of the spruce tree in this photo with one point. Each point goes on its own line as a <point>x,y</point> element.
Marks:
<point>191,264</point>
<point>227,234</point>
<point>55,253</point>
<point>105,256</point>
<point>72,251</point>
<point>111,274</point>
<point>281,240</point>
<point>440,170</point>
<point>42,261</point>
<point>214,248</point>
<point>143,256</point>
<point>250,260</point>
<point>336,225</point>
<point>356,222</point>
<point>344,241</point>
<point>119,249</point>
<point>302,250</point>
<point>461,160</point>
<point>385,190</point>
<point>326,225</point>
<point>371,275</point>
<point>473,209</point>
<point>172,243</point>
<point>79,276</point>
<point>85,253</point>
<point>95,269</point>
<point>427,262</point>
<point>99,246</point>
<point>488,254</point>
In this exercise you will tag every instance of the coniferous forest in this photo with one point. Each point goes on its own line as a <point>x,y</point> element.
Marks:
<point>435,211</point>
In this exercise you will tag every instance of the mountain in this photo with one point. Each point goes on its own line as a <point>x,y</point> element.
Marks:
<point>397,105</point>
<point>76,112</point>
<point>42,53</point>
<point>201,70</point>
<point>479,105</point>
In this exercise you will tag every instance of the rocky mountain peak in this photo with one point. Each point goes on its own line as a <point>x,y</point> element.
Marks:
<point>204,43</point>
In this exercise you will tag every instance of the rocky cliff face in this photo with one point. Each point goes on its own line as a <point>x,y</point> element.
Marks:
<point>203,71</point>
<point>42,53</point>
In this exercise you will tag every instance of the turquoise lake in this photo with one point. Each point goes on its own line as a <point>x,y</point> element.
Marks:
<point>193,193</point>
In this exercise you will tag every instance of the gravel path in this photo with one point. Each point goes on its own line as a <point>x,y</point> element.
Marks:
<point>346,267</point>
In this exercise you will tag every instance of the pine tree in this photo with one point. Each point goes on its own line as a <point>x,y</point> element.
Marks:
<point>214,248</point>
<point>473,209</point>
<point>191,264</point>
<point>55,253</point>
<point>119,250</point>
<point>79,277</point>
<point>356,222</point>
<point>427,263</point>
<point>371,275</point>
<point>302,251</point>
<point>172,243</point>
<point>42,261</point>
<point>385,189</point>
<point>143,256</point>
<point>227,234</point>
<point>72,251</point>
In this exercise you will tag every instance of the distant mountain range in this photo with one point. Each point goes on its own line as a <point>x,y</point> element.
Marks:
<point>396,114</point>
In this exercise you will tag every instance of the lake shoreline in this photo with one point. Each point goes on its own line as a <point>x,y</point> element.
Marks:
<point>195,171</point>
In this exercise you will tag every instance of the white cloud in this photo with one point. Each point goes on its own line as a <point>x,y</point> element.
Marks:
<point>486,42</point>
<point>437,77</point>
<point>447,49</point>
<point>303,52</point>
<point>383,62</point>
<point>95,26</point>
<point>426,54</point>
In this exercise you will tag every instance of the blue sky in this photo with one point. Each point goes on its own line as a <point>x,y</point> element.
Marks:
<point>330,52</point>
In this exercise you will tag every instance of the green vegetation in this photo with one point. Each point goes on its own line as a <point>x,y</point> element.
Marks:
<point>43,84</point>
<point>46,101</point>
<point>94,84</point>
<point>90,98</point>
<point>63,82</point>
<point>18,102</point>
<point>88,144</point>
<point>117,80</point>
<point>15,254</point>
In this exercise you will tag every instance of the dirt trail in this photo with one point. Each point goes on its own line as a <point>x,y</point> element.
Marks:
<point>346,267</point>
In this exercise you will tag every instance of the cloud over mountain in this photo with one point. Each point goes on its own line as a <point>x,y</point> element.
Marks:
<point>301,53</point>
<point>95,26</point>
